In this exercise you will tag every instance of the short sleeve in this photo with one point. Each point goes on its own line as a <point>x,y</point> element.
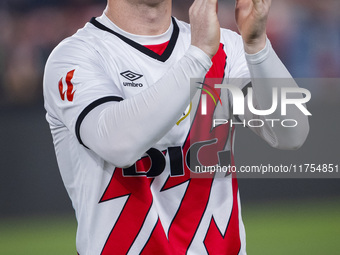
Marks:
<point>76,81</point>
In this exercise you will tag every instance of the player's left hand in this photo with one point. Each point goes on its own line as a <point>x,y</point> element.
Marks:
<point>251,18</point>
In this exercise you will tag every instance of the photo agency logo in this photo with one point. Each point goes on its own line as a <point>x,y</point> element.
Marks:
<point>282,98</point>
<point>222,106</point>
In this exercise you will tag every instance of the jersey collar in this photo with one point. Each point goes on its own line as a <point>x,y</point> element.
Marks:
<point>166,54</point>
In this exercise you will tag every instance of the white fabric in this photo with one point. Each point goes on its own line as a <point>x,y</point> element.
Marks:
<point>122,132</point>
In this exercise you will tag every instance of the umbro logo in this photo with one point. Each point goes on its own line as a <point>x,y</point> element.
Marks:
<point>131,76</point>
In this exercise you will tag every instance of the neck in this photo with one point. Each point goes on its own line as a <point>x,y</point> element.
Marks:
<point>140,17</point>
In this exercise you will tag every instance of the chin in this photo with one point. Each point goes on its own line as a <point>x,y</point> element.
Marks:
<point>149,2</point>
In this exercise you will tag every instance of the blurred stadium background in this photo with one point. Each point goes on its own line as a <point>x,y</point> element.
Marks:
<point>282,216</point>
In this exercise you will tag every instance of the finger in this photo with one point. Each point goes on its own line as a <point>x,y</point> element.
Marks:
<point>261,4</point>
<point>194,8</point>
<point>213,2</point>
<point>243,4</point>
<point>203,6</point>
<point>257,1</point>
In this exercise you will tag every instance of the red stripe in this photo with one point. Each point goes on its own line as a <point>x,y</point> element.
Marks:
<point>157,244</point>
<point>158,48</point>
<point>134,212</point>
<point>196,198</point>
<point>227,243</point>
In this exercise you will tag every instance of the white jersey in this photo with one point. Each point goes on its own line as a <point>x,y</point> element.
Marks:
<point>154,206</point>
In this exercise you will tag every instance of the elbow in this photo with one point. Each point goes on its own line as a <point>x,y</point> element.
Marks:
<point>125,160</point>
<point>292,140</point>
<point>299,142</point>
<point>125,163</point>
<point>121,156</point>
<point>291,145</point>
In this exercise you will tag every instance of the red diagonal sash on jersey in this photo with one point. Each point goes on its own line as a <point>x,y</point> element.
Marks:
<point>134,212</point>
<point>191,211</point>
<point>228,243</point>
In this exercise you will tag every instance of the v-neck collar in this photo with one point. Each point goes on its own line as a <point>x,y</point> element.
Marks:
<point>166,54</point>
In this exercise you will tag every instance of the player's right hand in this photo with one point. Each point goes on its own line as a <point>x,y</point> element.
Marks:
<point>205,27</point>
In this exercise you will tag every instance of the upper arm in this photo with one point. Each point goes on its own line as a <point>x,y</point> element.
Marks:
<point>75,82</point>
